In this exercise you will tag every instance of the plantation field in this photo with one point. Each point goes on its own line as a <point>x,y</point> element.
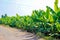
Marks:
<point>42,23</point>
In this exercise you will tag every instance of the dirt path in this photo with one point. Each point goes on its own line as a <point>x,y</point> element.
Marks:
<point>7,33</point>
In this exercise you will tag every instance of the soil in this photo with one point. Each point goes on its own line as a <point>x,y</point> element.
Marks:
<point>8,33</point>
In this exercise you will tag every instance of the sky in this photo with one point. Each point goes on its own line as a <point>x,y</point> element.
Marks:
<point>23,7</point>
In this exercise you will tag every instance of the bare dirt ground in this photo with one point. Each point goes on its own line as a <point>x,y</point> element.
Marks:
<point>8,33</point>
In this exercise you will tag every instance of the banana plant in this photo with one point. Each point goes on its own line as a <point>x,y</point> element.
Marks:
<point>56,9</point>
<point>52,13</point>
<point>58,26</point>
<point>38,15</point>
<point>49,15</point>
<point>0,20</point>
